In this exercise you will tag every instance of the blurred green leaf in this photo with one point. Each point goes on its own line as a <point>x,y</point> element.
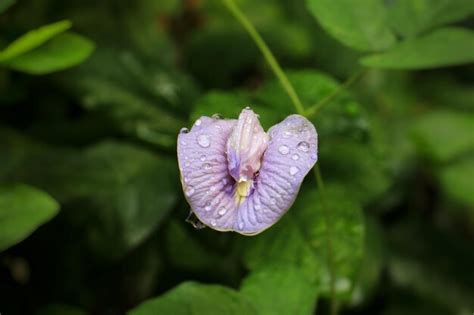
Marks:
<point>280,289</point>
<point>300,239</point>
<point>361,25</point>
<point>61,52</point>
<point>191,298</point>
<point>430,264</point>
<point>22,210</point>
<point>230,104</point>
<point>33,39</point>
<point>412,17</point>
<point>186,252</point>
<point>443,47</point>
<point>443,135</point>
<point>456,181</point>
<point>5,4</point>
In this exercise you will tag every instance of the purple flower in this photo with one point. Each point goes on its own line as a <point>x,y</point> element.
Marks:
<point>237,177</point>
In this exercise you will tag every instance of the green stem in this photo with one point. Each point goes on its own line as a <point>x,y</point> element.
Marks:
<point>276,68</point>
<point>313,110</point>
<point>267,54</point>
<point>329,244</point>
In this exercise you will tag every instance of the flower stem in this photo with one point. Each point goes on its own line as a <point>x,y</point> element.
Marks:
<point>267,54</point>
<point>285,83</point>
<point>313,110</point>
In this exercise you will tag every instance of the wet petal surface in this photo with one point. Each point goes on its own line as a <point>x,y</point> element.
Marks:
<point>212,191</point>
<point>291,153</point>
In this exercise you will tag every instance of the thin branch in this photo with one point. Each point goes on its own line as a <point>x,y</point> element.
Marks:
<point>267,54</point>
<point>313,110</point>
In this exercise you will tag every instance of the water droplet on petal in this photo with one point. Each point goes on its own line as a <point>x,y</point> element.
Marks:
<point>187,164</point>
<point>273,201</point>
<point>213,223</point>
<point>217,116</point>
<point>183,142</point>
<point>184,130</point>
<point>213,188</point>
<point>207,166</point>
<point>286,134</point>
<point>186,179</point>
<point>303,146</point>
<point>248,108</point>
<point>294,170</point>
<point>257,207</point>
<point>314,156</point>
<point>198,122</point>
<point>224,181</point>
<point>207,207</point>
<point>295,157</point>
<point>283,149</point>
<point>203,141</point>
<point>202,158</point>
<point>189,191</point>
<point>222,211</point>
<point>241,225</point>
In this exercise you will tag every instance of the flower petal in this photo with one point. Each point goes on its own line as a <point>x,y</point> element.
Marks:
<point>245,146</point>
<point>208,187</point>
<point>291,153</point>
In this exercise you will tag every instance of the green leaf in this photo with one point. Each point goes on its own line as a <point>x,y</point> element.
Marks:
<point>280,289</point>
<point>191,298</point>
<point>456,181</point>
<point>22,210</point>
<point>61,52</point>
<point>229,105</point>
<point>443,135</point>
<point>300,239</point>
<point>444,47</point>
<point>412,17</point>
<point>361,25</point>
<point>5,4</point>
<point>33,39</point>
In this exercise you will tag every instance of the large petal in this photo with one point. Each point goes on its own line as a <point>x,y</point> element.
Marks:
<point>291,153</point>
<point>207,185</point>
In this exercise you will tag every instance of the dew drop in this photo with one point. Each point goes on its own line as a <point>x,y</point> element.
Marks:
<point>202,158</point>
<point>286,134</point>
<point>189,191</point>
<point>303,146</point>
<point>207,166</point>
<point>273,201</point>
<point>295,157</point>
<point>224,181</point>
<point>183,142</point>
<point>314,156</point>
<point>213,188</point>
<point>207,207</point>
<point>248,108</point>
<point>213,223</point>
<point>203,141</point>
<point>184,130</point>
<point>186,179</point>
<point>198,122</point>
<point>257,207</point>
<point>241,225</point>
<point>294,170</point>
<point>217,116</point>
<point>187,164</point>
<point>222,211</point>
<point>283,149</point>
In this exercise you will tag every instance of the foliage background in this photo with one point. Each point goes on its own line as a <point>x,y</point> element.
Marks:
<point>92,217</point>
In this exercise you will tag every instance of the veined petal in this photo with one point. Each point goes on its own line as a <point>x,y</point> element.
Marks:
<point>291,153</point>
<point>207,185</point>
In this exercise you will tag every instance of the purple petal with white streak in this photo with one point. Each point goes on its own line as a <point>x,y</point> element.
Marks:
<point>211,190</point>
